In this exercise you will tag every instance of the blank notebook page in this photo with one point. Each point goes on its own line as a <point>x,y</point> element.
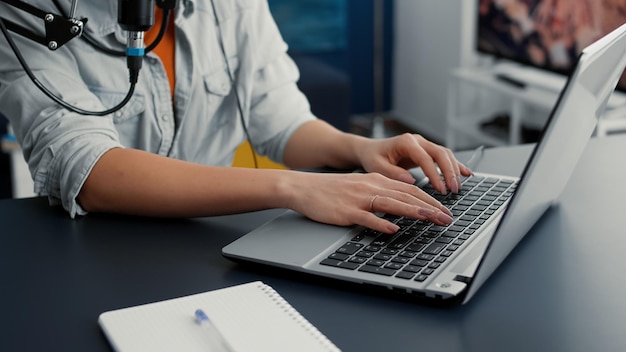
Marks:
<point>251,317</point>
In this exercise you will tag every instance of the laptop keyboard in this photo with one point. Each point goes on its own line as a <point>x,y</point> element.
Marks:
<point>420,247</point>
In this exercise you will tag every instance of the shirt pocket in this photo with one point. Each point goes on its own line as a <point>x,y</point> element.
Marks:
<point>220,102</point>
<point>218,83</point>
<point>129,120</point>
<point>130,111</point>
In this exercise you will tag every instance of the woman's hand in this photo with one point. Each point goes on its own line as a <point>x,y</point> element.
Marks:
<point>348,199</point>
<point>352,199</point>
<point>393,156</point>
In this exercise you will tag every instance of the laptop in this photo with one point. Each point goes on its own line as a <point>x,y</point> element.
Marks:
<point>491,214</point>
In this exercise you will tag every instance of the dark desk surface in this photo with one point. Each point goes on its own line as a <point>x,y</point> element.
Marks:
<point>562,289</point>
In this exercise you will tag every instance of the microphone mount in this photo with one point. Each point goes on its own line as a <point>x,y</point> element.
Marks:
<point>136,16</point>
<point>58,29</point>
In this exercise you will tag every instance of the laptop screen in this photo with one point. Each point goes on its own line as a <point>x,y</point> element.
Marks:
<point>563,141</point>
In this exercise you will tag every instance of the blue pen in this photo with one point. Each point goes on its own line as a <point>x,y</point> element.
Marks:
<point>218,342</point>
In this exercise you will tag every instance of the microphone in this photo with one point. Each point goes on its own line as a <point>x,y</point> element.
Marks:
<point>136,17</point>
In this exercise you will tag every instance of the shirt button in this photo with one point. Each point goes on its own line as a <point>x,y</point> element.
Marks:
<point>164,117</point>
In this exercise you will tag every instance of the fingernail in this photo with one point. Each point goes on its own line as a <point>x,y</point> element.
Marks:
<point>445,210</point>
<point>454,187</point>
<point>442,188</point>
<point>407,178</point>
<point>446,219</point>
<point>393,228</point>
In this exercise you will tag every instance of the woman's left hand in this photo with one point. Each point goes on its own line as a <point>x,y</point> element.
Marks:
<point>393,156</point>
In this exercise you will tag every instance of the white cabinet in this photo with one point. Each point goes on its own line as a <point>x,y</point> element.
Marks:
<point>475,94</point>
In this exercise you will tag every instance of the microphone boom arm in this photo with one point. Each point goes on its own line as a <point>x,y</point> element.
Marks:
<point>59,30</point>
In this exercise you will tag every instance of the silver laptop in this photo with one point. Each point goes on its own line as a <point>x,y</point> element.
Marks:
<point>492,213</point>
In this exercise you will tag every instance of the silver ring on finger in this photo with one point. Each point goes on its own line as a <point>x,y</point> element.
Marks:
<point>372,202</point>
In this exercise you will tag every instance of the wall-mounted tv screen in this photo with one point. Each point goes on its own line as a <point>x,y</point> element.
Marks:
<point>547,34</point>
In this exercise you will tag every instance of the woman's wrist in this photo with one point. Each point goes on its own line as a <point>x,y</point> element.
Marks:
<point>285,188</point>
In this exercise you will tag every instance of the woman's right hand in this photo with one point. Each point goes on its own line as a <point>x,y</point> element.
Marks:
<point>353,199</point>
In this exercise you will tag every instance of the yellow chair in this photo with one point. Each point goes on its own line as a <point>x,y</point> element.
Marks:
<point>244,158</point>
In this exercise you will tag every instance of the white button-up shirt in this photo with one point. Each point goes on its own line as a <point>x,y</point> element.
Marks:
<point>202,126</point>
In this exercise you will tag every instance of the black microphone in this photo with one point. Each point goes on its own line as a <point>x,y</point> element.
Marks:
<point>136,17</point>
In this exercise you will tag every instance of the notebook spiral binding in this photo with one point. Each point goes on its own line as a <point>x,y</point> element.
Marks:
<point>297,317</point>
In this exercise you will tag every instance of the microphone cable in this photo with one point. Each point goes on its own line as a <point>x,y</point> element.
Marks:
<point>232,82</point>
<point>51,95</point>
<point>167,5</point>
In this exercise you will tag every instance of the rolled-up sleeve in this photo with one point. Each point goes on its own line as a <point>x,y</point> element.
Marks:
<point>60,147</point>
<point>278,107</point>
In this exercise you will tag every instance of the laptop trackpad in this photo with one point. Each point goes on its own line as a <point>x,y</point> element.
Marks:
<point>467,263</point>
<point>289,240</point>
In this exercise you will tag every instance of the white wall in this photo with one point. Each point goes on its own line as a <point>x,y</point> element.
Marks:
<point>431,37</point>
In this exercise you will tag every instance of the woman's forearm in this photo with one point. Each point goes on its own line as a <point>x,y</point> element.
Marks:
<point>135,182</point>
<point>318,144</point>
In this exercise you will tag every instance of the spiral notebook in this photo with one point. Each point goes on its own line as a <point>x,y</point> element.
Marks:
<point>251,317</point>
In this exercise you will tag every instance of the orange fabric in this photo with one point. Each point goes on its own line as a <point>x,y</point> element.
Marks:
<point>244,158</point>
<point>166,49</point>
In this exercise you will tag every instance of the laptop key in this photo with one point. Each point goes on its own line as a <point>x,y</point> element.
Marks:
<point>434,248</point>
<point>377,270</point>
<point>426,256</point>
<point>401,260</point>
<point>401,241</point>
<point>339,264</point>
<point>412,268</point>
<point>419,262</point>
<point>358,237</point>
<point>383,257</point>
<point>437,228</point>
<point>415,247</point>
<point>450,233</point>
<point>365,254</point>
<point>407,254</point>
<point>389,251</point>
<point>382,240</point>
<point>349,248</point>
<point>338,256</point>
<point>445,240</point>
<point>428,271</point>
<point>358,260</point>
<point>434,265</point>
<point>421,277</point>
<point>456,212</point>
<point>375,262</point>
<point>394,266</point>
<point>405,275</point>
